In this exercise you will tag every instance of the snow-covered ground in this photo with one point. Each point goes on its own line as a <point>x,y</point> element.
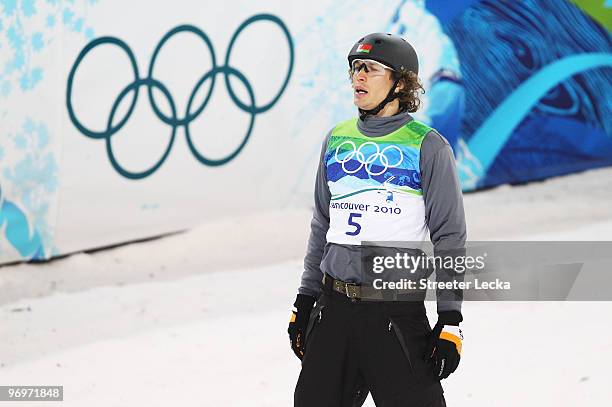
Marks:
<point>199,318</point>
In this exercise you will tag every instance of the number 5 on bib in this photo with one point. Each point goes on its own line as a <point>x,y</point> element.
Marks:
<point>351,222</point>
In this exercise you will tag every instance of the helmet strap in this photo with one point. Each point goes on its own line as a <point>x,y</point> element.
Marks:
<point>363,114</point>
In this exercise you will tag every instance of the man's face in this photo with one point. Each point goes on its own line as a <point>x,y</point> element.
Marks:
<point>371,82</point>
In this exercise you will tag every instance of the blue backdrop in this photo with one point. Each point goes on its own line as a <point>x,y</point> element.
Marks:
<point>530,95</point>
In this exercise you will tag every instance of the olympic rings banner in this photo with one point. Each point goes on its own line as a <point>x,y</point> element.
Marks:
<point>120,123</point>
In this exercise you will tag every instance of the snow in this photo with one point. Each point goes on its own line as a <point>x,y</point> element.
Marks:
<point>199,318</point>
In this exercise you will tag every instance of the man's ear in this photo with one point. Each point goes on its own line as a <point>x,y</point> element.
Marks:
<point>400,86</point>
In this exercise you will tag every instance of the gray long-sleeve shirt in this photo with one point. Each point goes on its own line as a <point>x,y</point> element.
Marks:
<point>442,197</point>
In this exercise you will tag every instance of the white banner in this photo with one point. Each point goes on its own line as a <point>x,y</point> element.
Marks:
<point>123,120</point>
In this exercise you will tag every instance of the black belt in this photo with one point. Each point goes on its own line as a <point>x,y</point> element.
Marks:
<point>356,291</point>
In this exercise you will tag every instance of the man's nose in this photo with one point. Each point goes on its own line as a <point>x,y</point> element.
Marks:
<point>361,75</point>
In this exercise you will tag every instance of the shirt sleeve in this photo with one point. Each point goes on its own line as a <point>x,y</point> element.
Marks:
<point>444,212</point>
<point>312,277</point>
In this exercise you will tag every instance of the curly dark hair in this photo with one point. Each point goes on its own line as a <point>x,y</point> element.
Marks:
<point>409,94</point>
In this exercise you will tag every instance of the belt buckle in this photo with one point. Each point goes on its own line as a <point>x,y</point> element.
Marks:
<point>346,290</point>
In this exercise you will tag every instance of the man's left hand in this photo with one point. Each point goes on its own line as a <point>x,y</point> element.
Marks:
<point>444,348</point>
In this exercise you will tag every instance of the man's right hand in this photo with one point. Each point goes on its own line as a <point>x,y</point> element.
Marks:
<point>299,322</point>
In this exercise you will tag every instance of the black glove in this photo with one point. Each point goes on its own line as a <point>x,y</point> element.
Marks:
<point>444,348</point>
<point>298,323</point>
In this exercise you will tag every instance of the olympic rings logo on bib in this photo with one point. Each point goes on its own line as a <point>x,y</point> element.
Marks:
<point>368,162</point>
<point>193,110</point>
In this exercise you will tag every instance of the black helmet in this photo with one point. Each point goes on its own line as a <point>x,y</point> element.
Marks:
<point>388,49</point>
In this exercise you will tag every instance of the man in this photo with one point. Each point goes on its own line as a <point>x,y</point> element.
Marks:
<point>383,177</point>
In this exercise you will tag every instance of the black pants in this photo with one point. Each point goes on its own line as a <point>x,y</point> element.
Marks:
<point>355,347</point>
